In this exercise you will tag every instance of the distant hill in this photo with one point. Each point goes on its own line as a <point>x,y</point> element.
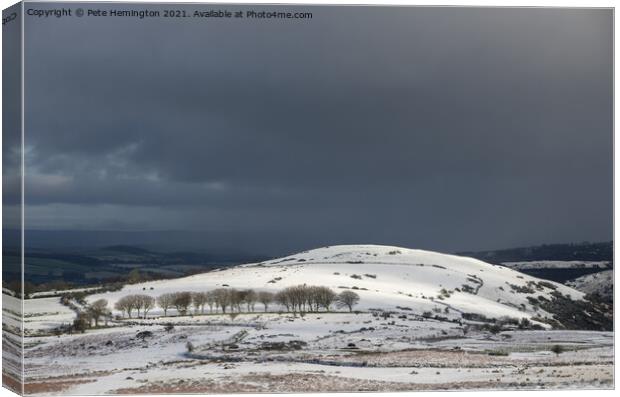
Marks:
<point>556,262</point>
<point>601,283</point>
<point>51,268</point>
<point>128,249</point>
<point>548,252</point>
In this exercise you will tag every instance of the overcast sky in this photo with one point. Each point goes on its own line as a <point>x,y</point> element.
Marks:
<point>440,128</point>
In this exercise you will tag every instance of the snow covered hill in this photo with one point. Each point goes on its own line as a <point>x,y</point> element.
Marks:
<point>386,278</point>
<point>598,283</point>
<point>558,270</point>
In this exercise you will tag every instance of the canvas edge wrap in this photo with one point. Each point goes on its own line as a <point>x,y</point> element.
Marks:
<point>12,198</point>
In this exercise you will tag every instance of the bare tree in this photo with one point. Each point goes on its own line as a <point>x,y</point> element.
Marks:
<point>265,298</point>
<point>311,297</point>
<point>81,322</point>
<point>136,302</point>
<point>282,298</point>
<point>347,299</point>
<point>324,297</point>
<point>144,303</point>
<point>166,301</point>
<point>98,309</point>
<point>211,297</point>
<point>302,298</point>
<point>250,299</point>
<point>236,298</point>
<point>182,301</point>
<point>125,305</point>
<point>297,297</point>
<point>199,300</point>
<point>222,298</point>
<point>294,298</point>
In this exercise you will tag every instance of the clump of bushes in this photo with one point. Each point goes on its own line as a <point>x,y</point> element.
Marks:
<point>557,349</point>
<point>522,289</point>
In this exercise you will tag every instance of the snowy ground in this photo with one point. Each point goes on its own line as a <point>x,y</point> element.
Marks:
<point>387,346</point>
<point>342,352</point>
<point>43,314</point>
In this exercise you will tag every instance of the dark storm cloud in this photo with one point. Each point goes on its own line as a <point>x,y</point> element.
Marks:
<point>440,128</point>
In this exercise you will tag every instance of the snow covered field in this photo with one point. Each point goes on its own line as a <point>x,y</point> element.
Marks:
<point>412,330</point>
<point>339,351</point>
<point>45,313</point>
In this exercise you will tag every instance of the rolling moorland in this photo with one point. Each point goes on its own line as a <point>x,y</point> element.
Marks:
<point>557,262</point>
<point>54,268</point>
<point>62,269</point>
<point>413,320</point>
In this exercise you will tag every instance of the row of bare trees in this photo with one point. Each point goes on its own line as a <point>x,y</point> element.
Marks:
<point>304,298</point>
<point>142,304</point>
<point>300,298</point>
